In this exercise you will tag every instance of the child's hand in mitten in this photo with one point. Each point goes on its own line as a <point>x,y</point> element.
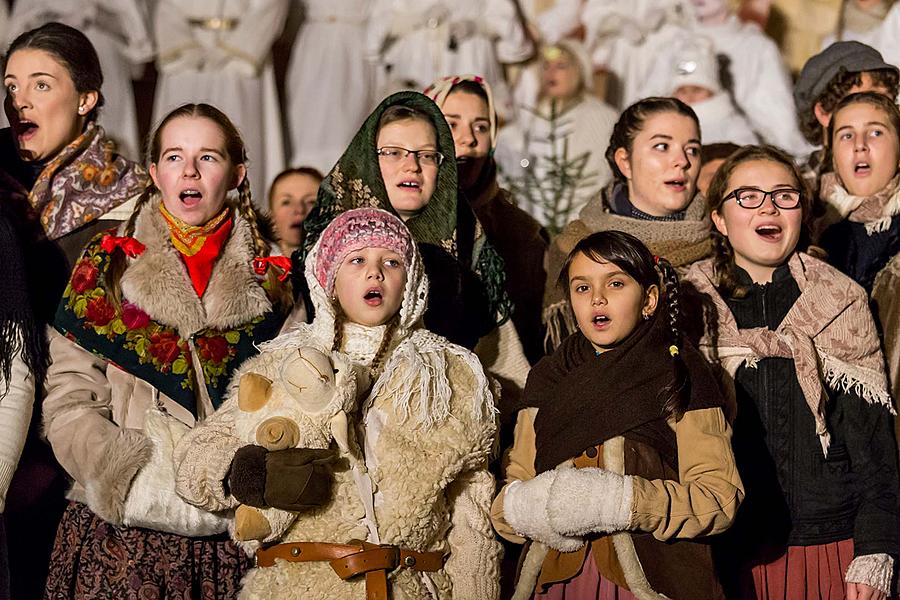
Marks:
<point>524,508</point>
<point>589,500</point>
<point>295,479</point>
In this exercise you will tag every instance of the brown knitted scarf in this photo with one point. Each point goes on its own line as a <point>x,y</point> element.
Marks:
<point>828,332</point>
<point>681,242</point>
<point>585,399</point>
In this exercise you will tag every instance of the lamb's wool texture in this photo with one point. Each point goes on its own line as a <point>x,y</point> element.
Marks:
<point>158,283</point>
<point>427,459</point>
<point>299,401</point>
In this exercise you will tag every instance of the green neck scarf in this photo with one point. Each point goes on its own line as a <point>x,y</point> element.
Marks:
<point>355,182</point>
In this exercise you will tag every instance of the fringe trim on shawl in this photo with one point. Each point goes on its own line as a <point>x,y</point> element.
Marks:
<point>560,323</point>
<point>838,375</point>
<point>842,376</point>
<point>844,203</point>
<point>424,396</point>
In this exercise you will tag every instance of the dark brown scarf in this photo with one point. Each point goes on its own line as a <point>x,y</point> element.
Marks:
<point>585,399</point>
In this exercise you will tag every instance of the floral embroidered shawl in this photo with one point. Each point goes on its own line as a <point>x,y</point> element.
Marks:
<point>129,338</point>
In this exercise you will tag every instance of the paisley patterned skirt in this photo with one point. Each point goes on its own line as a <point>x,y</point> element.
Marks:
<point>95,560</point>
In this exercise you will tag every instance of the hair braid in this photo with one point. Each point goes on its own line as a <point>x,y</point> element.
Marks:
<point>279,290</point>
<point>339,320</point>
<point>117,260</point>
<point>678,390</point>
<point>385,344</point>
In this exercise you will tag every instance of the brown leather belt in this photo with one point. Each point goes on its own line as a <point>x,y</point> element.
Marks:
<point>356,558</point>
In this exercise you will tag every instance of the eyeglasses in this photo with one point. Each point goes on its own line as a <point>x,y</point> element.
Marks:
<point>751,197</point>
<point>394,154</point>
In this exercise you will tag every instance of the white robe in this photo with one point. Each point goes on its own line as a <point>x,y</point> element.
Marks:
<point>554,23</point>
<point>525,144</point>
<point>329,82</point>
<point>721,122</point>
<point>761,84</point>
<point>119,31</point>
<point>229,67</point>
<point>887,41</point>
<point>413,43</point>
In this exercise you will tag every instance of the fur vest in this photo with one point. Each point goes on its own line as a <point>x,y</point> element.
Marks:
<point>112,365</point>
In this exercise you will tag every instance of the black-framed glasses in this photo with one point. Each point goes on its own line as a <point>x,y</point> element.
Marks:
<point>395,154</point>
<point>751,197</point>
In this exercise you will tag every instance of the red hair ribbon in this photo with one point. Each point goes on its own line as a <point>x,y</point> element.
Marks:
<point>261,264</point>
<point>130,246</point>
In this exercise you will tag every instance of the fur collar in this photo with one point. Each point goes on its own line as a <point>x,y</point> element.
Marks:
<point>157,281</point>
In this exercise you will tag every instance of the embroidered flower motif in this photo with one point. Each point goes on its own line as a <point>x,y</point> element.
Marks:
<point>107,177</point>
<point>133,317</point>
<point>215,349</point>
<point>164,347</point>
<point>362,195</point>
<point>99,312</point>
<point>88,172</point>
<point>84,276</point>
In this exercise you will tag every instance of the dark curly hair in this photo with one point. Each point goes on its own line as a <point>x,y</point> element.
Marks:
<point>839,87</point>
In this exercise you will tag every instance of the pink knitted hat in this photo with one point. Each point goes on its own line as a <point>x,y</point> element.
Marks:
<point>354,230</point>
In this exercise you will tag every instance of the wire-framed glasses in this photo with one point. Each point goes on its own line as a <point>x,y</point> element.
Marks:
<point>394,154</point>
<point>751,197</point>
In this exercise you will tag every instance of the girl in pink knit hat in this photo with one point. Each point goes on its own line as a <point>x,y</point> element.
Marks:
<point>417,479</point>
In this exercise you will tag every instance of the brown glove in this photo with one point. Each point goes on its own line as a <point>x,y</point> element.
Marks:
<point>295,479</point>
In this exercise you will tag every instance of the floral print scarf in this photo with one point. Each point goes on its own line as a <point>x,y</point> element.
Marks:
<point>83,182</point>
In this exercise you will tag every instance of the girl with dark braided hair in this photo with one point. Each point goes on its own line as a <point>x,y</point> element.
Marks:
<point>638,413</point>
<point>156,316</point>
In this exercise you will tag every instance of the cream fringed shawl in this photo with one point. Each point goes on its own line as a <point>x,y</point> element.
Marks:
<point>422,397</point>
<point>828,332</point>
<point>875,212</point>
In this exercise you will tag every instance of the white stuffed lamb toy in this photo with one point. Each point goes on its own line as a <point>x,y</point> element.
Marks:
<point>298,400</point>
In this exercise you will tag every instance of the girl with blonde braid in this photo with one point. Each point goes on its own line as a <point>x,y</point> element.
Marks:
<point>155,318</point>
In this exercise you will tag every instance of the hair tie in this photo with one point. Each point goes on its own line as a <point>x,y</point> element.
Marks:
<point>130,246</point>
<point>673,350</point>
<point>261,265</point>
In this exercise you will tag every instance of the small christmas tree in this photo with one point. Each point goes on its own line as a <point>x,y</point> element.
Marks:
<point>551,182</point>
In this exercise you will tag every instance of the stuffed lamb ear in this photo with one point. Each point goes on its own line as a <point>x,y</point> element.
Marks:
<point>253,392</point>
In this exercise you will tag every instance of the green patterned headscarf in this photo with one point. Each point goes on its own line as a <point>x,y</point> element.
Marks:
<point>355,182</point>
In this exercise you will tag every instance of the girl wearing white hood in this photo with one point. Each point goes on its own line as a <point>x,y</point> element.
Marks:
<point>646,30</point>
<point>691,74</point>
<point>420,442</point>
<point>568,123</point>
